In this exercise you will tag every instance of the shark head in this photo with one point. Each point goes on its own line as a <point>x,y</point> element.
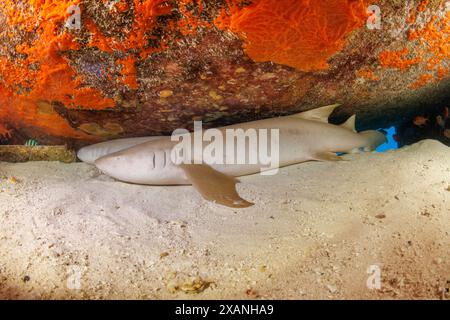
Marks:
<point>113,165</point>
<point>89,154</point>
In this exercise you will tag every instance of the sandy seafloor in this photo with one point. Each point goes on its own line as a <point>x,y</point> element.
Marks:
<point>67,231</point>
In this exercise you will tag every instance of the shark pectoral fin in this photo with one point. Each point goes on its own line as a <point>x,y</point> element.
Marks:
<point>215,186</point>
<point>319,114</point>
<point>350,124</point>
<point>327,156</point>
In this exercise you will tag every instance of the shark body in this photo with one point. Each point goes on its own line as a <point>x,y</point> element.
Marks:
<point>303,137</point>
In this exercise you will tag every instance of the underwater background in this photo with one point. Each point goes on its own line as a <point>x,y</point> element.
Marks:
<point>80,72</point>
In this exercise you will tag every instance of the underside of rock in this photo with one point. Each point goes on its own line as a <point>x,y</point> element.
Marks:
<point>82,71</point>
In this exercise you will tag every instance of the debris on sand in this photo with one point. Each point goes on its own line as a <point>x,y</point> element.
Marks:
<point>194,285</point>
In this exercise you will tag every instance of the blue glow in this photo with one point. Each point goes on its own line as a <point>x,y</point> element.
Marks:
<point>391,144</point>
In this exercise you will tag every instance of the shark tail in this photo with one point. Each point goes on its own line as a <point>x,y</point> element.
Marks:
<point>374,139</point>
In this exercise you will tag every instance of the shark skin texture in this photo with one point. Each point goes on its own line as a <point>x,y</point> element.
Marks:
<point>302,137</point>
<point>91,153</point>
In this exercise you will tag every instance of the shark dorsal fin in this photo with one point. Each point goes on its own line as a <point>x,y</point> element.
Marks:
<point>319,114</point>
<point>350,124</point>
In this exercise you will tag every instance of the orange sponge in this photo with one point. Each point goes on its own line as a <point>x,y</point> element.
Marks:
<point>303,34</point>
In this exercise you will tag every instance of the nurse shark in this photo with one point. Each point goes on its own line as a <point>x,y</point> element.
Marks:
<point>303,137</point>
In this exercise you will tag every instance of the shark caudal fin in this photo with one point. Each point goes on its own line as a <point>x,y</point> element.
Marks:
<point>215,186</point>
<point>319,114</point>
<point>374,139</point>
